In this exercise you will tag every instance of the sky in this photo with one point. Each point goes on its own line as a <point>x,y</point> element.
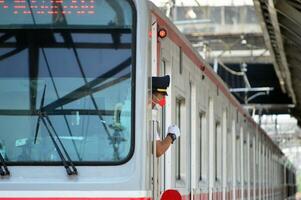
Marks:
<point>206,2</point>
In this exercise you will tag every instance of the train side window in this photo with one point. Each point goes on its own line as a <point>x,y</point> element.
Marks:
<point>163,67</point>
<point>252,160</point>
<point>257,161</point>
<point>260,162</point>
<point>218,151</point>
<point>229,160</point>
<point>224,149</point>
<point>181,60</point>
<point>163,113</point>
<point>245,161</point>
<point>241,156</point>
<point>264,163</point>
<point>203,146</point>
<point>237,149</point>
<point>180,105</point>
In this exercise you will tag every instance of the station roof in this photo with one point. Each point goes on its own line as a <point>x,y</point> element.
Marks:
<point>281,24</point>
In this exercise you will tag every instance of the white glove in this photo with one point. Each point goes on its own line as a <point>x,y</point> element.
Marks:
<point>174,130</point>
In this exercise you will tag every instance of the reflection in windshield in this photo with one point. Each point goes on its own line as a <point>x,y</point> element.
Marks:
<point>4,171</point>
<point>100,13</point>
<point>86,78</point>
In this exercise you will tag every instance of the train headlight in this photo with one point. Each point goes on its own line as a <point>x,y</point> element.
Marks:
<point>162,33</point>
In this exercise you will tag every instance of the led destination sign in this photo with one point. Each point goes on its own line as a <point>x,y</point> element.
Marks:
<point>48,7</point>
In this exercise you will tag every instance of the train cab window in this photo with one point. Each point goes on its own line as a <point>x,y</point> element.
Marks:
<point>180,105</point>
<point>67,77</point>
<point>218,151</point>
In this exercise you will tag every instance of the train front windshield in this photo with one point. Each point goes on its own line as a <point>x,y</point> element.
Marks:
<point>66,76</point>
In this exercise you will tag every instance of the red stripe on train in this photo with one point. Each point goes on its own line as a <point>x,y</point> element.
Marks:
<point>73,198</point>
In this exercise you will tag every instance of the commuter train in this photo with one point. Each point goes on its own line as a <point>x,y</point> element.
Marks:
<point>76,119</point>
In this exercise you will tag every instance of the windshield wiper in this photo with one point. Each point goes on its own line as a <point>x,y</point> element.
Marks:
<point>69,166</point>
<point>3,167</point>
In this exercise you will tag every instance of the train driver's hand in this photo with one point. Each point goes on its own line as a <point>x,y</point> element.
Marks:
<point>173,129</point>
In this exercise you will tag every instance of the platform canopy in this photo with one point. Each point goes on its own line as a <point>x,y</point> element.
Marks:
<point>228,35</point>
<point>281,24</point>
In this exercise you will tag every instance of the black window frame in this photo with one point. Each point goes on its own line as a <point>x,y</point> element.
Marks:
<point>179,104</point>
<point>133,115</point>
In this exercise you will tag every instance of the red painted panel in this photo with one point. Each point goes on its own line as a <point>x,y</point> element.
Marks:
<point>171,195</point>
<point>202,196</point>
<point>205,196</point>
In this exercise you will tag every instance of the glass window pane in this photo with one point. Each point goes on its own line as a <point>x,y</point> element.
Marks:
<point>218,151</point>
<point>229,160</point>
<point>113,13</point>
<point>201,145</point>
<point>178,141</point>
<point>215,15</point>
<point>232,15</point>
<point>204,147</point>
<point>78,80</point>
<point>238,158</point>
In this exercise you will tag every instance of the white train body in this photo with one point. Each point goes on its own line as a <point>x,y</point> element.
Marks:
<point>221,154</point>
